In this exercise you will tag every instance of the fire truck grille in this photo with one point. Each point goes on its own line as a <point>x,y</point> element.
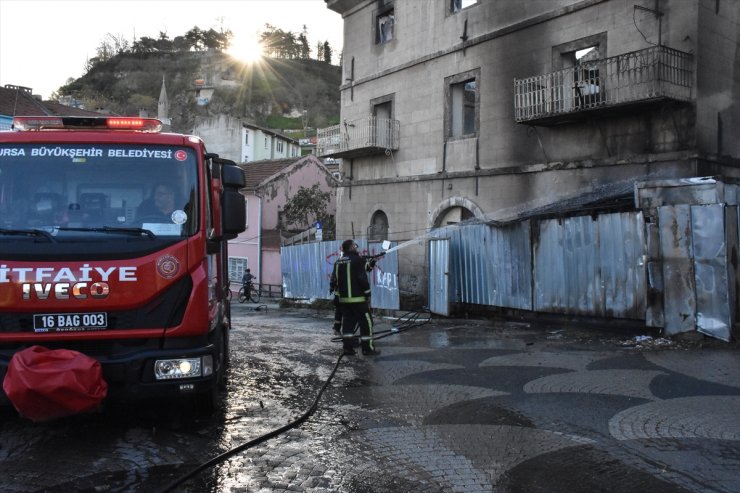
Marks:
<point>164,311</point>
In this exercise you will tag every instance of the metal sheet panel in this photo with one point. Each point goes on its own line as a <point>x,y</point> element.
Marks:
<point>306,270</point>
<point>621,256</point>
<point>654,290</point>
<point>439,269</point>
<point>491,266</point>
<point>679,300</point>
<point>731,236</point>
<point>384,278</point>
<point>590,266</point>
<point>567,279</point>
<point>711,271</point>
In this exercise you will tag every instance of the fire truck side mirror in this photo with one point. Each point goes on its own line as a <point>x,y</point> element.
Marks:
<point>232,176</point>
<point>234,204</point>
<point>235,217</point>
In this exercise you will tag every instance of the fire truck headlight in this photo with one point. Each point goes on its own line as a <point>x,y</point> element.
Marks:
<point>166,369</point>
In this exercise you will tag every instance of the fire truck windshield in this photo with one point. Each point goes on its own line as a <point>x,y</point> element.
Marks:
<point>58,193</point>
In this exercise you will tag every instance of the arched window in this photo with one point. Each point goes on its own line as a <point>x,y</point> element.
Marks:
<point>454,215</point>
<point>378,229</point>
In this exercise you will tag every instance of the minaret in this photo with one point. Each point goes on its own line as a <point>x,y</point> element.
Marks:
<point>163,107</point>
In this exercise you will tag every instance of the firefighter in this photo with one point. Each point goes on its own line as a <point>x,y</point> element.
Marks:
<point>337,327</point>
<point>353,287</point>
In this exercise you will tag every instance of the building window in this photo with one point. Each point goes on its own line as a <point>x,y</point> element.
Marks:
<point>463,103</point>
<point>587,82</point>
<point>378,229</point>
<point>382,109</point>
<point>280,146</point>
<point>385,21</point>
<point>581,84</point>
<point>237,266</point>
<point>458,5</point>
<point>246,138</point>
<point>453,215</point>
<point>265,142</point>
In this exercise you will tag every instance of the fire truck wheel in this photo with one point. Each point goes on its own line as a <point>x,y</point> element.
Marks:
<point>205,403</point>
<point>221,359</point>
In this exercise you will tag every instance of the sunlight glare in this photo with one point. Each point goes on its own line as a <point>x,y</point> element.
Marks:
<point>246,49</point>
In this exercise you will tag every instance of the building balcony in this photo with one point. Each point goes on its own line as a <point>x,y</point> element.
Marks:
<point>363,137</point>
<point>652,75</point>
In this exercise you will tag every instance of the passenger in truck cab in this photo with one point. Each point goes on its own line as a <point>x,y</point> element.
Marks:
<point>160,205</point>
<point>48,209</point>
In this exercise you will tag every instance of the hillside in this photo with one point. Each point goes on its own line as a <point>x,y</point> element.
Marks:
<point>272,93</point>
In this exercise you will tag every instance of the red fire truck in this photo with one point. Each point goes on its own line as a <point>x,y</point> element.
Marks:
<point>113,243</point>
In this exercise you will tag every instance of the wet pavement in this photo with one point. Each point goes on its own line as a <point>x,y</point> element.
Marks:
<point>451,405</point>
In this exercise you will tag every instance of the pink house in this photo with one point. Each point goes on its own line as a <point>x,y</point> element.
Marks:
<point>269,186</point>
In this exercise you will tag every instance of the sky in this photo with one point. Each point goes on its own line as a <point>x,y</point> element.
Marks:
<point>45,42</point>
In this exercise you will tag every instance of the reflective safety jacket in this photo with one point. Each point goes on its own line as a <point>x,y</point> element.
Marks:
<point>350,279</point>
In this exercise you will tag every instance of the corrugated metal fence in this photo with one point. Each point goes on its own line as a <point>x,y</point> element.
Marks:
<point>580,265</point>
<point>307,269</point>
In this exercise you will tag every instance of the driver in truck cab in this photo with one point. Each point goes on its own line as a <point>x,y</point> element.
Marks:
<point>160,204</point>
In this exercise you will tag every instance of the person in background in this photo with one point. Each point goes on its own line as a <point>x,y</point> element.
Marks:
<point>247,282</point>
<point>353,287</point>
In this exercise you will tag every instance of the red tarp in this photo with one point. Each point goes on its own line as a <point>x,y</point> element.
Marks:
<point>46,383</point>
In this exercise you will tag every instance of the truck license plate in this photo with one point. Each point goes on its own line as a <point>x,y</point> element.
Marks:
<point>69,322</point>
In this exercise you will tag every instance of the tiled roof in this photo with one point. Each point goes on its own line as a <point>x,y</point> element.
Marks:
<point>17,102</point>
<point>256,172</point>
<point>63,110</point>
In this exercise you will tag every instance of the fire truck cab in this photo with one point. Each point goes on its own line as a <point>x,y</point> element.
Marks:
<point>113,243</point>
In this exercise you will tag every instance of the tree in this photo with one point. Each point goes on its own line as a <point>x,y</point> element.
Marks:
<point>110,46</point>
<point>218,41</point>
<point>327,52</point>
<point>145,44</point>
<point>282,44</point>
<point>303,40</point>
<point>163,43</point>
<point>307,207</point>
<point>194,37</point>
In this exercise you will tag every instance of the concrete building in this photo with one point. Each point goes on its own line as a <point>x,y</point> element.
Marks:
<point>240,141</point>
<point>269,186</point>
<point>457,110</point>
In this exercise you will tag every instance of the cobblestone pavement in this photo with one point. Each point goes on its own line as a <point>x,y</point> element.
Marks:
<point>483,406</point>
<point>450,406</point>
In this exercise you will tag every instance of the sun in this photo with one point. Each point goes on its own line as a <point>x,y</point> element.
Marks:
<point>246,49</point>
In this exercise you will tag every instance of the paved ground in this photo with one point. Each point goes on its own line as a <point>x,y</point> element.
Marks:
<point>467,406</point>
<point>452,405</point>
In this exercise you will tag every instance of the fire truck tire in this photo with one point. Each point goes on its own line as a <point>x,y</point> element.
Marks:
<point>221,360</point>
<point>205,403</point>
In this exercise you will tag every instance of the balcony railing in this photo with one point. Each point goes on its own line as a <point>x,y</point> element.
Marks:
<point>364,137</point>
<point>657,73</point>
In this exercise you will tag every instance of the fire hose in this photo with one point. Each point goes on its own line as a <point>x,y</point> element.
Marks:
<point>404,323</point>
